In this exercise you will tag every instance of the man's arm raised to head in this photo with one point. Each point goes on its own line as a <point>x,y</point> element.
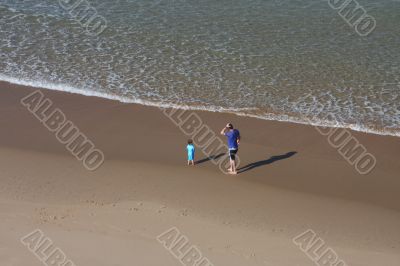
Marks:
<point>223,131</point>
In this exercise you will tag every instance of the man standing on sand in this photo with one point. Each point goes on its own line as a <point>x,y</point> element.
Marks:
<point>233,136</point>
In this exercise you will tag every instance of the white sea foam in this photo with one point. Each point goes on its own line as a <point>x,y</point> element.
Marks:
<point>237,111</point>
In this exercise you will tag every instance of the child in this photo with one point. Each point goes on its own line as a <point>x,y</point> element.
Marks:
<point>190,149</point>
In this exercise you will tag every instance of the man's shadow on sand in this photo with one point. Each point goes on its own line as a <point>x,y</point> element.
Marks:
<point>273,159</point>
<point>251,166</point>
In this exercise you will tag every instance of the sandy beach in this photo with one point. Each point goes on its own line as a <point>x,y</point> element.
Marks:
<point>291,180</point>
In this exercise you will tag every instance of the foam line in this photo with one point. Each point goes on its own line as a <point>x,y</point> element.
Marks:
<point>239,112</point>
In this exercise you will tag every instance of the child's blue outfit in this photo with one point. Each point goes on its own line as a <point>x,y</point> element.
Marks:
<point>190,150</point>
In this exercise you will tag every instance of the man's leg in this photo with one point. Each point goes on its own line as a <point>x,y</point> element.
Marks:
<point>232,169</point>
<point>234,166</point>
<point>233,161</point>
<point>230,162</point>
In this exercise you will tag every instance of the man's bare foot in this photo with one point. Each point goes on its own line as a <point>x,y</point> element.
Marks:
<point>232,173</point>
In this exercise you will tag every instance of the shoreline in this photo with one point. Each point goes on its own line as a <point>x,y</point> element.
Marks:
<point>238,112</point>
<point>293,181</point>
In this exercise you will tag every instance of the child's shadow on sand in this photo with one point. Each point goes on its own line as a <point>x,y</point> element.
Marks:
<point>273,159</point>
<point>213,157</point>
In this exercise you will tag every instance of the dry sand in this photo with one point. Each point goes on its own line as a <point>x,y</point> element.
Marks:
<point>113,215</point>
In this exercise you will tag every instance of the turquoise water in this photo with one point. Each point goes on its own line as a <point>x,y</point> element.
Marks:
<point>253,57</point>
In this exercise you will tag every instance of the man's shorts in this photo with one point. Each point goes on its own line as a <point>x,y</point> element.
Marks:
<point>232,154</point>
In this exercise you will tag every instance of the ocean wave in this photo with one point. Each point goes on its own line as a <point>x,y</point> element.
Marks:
<point>246,112</point>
